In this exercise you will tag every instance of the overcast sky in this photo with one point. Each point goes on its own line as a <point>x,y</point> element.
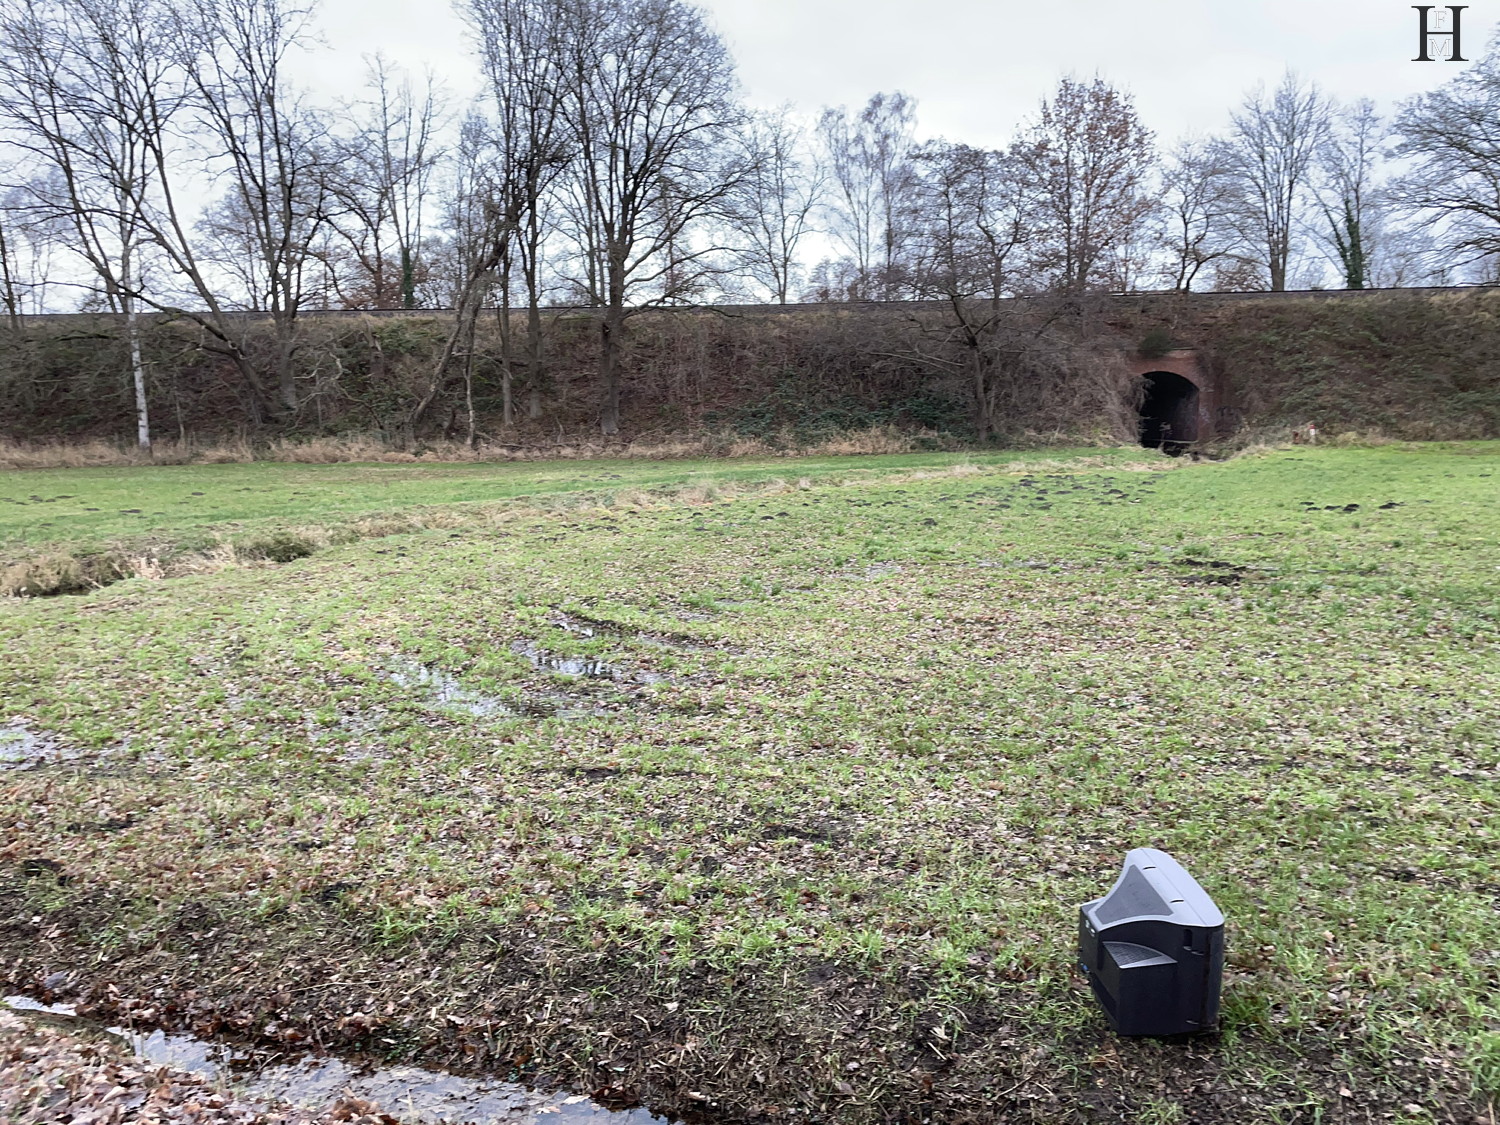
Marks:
<point>979,67</point>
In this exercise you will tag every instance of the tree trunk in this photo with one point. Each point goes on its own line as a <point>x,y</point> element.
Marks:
<point>1279,252</point>
<point>8,286</point>
<point>984,420</point>
<point>1354,259</point>
<point>286,376</point>
<point>507,359</point>
<point>472,439</point>
<point>408,279</point>
<point>534,355</point>
<point>611,328</point>
<point>138,373</point>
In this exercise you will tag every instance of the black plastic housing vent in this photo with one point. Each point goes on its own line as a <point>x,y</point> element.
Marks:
<point>1153,949</point>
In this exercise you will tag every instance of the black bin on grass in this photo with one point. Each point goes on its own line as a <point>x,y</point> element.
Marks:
<point>1153,949</point>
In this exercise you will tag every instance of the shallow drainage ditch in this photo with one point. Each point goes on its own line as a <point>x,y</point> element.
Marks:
<point>413,1095</point>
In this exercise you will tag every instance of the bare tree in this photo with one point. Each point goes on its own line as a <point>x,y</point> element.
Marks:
<point>1194,219</point>
<point>83,71</point>
<point>11,218</point>
<point>772,211</point>
<point>84,91</point>
<point>1451,136</point>
<point>869,163</point>
<point>267,142</point>
<point>1087,156</point>
<point>835,279</point>
<point>523,55</point>
<point>648,106</point>
<point>969,225</point>
<point>379,181</point>
<point>35,240</point>
<point>1407,254</point>
<point>1271,148</point>
<point>481,233</point>
<point>1347,191</point>
<point>969,222</point>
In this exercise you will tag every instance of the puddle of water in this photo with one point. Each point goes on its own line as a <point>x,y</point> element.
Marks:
<point>21,748</point>
<point>589,667</point>
<point>544,661</point>
<point>446,691</point>
<point>414,1094</point>
<point>650,640</point>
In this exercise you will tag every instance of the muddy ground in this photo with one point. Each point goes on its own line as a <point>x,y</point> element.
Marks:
<point>817,1043</point>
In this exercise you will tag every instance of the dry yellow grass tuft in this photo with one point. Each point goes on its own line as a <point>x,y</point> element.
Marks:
<point>60,574</point>
<point>98,453</point>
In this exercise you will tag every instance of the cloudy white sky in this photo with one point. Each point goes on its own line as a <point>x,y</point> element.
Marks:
<point>978,67</point>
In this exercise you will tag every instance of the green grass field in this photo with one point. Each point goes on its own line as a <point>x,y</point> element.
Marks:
<point>770,790</point>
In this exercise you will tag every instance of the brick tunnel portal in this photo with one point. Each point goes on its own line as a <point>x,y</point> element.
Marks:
<point>1169,412</point>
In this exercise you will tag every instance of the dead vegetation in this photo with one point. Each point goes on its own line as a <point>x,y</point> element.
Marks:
<point>373,447</point>
<point>695,384</point>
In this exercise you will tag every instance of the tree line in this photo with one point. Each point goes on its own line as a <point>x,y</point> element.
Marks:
<point>156,157</point>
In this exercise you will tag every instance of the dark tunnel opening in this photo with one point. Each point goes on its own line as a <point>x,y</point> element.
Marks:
<point>1169,413</point>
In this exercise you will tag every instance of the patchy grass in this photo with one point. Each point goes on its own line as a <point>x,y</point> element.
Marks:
<point>779,803</point>
<point>64,531</point>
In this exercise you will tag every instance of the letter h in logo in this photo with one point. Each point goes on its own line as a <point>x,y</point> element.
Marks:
<point>1426,37</point>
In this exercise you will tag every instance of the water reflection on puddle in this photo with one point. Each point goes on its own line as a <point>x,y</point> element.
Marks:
<point>586,628</point>
<point>447,691</point>
<point>21,748</point>
<point>544,661</point>
<point>410,1093</point>
<point>592,667</point>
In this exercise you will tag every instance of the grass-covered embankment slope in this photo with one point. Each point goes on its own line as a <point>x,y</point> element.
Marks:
<point>815,850</point>
<point>1413,366</point>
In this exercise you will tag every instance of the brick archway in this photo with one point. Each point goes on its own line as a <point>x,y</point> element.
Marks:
<point>1207,410</point>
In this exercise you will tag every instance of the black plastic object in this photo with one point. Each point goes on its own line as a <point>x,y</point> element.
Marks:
<point>1153,949</point>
